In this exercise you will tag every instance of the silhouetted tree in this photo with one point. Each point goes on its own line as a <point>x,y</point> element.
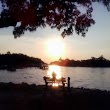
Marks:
<point>93,62</point>
<point>26,15</point>
<point>18,61</point>
<point>8,52</point>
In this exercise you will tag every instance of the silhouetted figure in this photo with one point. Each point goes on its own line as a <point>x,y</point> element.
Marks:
<point>53,77</point>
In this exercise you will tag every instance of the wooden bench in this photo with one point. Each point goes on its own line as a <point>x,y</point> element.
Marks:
<point>61,80</point>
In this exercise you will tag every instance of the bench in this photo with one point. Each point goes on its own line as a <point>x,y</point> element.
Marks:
<point>61,80</point>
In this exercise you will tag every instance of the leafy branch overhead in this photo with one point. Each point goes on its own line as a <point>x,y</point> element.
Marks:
<point>65,15</point>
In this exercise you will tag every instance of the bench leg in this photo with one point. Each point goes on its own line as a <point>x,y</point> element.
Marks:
<point>63,84</point>
<point>46,85</point>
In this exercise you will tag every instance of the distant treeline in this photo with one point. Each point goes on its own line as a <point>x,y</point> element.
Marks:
<point>93,62</point>
<point>18,61</point>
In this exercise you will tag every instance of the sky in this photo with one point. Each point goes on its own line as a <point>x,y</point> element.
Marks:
<point>95,44</point>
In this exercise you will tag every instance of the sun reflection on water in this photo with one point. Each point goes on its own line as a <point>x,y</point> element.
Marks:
<point>56,69</point>
<point>55,84</point>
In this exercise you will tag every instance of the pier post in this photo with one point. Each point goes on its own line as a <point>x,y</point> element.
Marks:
<point>68,83</point>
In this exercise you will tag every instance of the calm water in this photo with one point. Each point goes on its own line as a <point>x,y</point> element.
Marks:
<point>80,77</point>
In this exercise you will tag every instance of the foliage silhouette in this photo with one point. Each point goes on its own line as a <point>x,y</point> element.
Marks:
<point>65,15</point>
<point>93,62</point>
<point>18,61</point>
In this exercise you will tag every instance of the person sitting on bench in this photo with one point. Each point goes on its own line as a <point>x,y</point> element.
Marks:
<point>53,77</point>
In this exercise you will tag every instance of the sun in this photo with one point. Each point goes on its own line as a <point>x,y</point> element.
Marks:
<point>55,48</point>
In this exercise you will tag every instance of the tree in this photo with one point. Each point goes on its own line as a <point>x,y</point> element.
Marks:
<point>65,15</point>
<point>8,52</point>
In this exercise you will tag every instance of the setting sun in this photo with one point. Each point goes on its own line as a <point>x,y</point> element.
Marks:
<point>55,48</point>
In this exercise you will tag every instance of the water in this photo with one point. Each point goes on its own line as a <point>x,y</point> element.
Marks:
<point>98,78</point>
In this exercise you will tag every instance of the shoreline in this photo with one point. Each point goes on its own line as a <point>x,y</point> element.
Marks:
<point>31,97</point>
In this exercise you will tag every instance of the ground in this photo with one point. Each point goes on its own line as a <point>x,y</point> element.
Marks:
<point>32,97</point>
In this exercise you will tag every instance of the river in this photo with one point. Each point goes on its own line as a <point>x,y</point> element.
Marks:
<point>98,78</point>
